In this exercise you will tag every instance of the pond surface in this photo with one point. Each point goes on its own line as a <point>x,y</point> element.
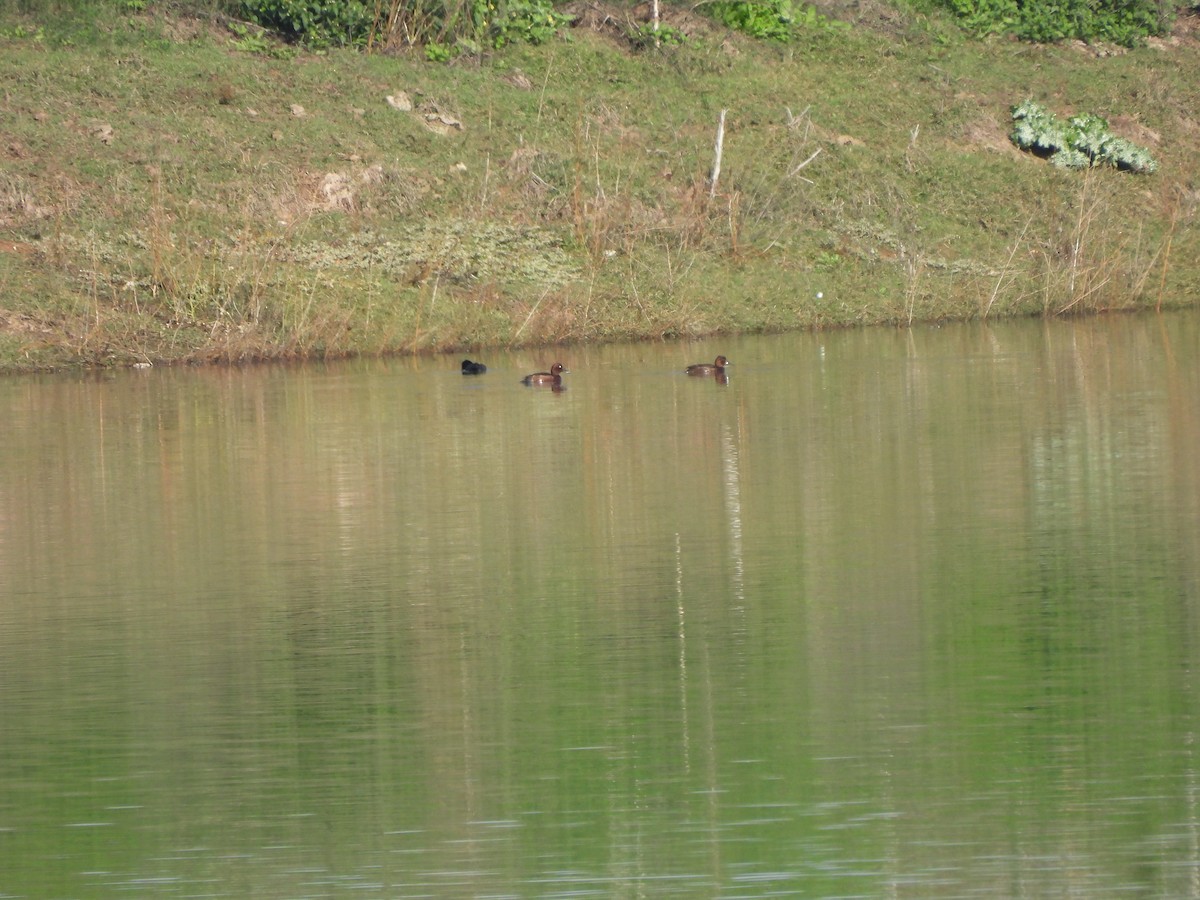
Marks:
<point>889,614</point>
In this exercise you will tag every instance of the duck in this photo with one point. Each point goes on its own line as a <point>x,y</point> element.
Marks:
<point>552,378</point>
<point>473,368</point>
<point>714,368</point>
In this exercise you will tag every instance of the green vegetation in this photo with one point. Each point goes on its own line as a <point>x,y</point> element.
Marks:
<point>494,23</point>
<point>444,29</point>
<point>315,22</point>
<point>1124,22</point>
<point>192,188</point>
<point>1079,143</point>
<point>654,35</point>
<point>774,20</point>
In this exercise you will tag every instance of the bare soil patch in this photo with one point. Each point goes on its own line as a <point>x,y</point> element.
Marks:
<point>618,22</point>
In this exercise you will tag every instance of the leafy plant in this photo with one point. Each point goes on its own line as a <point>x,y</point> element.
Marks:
<point>645,37</point>
<point>317,23</point>
<point>1081,142</point>
<point>1125,22</point>
<point>826,261</point>
<point>248,41</point>
<point>772,20</point>
<point>811,20</point>
<point>436,51</point>
<point>447,31</point>
<point>524,21</point>
<point>20,32</point>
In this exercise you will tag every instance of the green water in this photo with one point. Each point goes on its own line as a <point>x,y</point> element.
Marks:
<point>890,614</point>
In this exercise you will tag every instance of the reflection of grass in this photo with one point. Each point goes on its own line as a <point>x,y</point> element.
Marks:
<point>187,199</point>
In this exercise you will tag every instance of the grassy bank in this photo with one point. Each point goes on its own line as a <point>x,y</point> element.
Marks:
<point>171,192</point>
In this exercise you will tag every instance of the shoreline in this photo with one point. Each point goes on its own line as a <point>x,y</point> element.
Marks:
<point>188,202</point>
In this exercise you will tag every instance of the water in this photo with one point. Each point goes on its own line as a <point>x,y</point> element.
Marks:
<point>890,614</point>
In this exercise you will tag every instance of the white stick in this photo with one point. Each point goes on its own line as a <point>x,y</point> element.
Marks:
<point>716,169</point>
<point>805,163</point>
<point>531,312</point>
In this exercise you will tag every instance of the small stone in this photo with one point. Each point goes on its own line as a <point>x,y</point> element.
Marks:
<point>441,123</point>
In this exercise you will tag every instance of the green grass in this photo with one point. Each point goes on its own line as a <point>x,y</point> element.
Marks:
<point>161,200</point>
